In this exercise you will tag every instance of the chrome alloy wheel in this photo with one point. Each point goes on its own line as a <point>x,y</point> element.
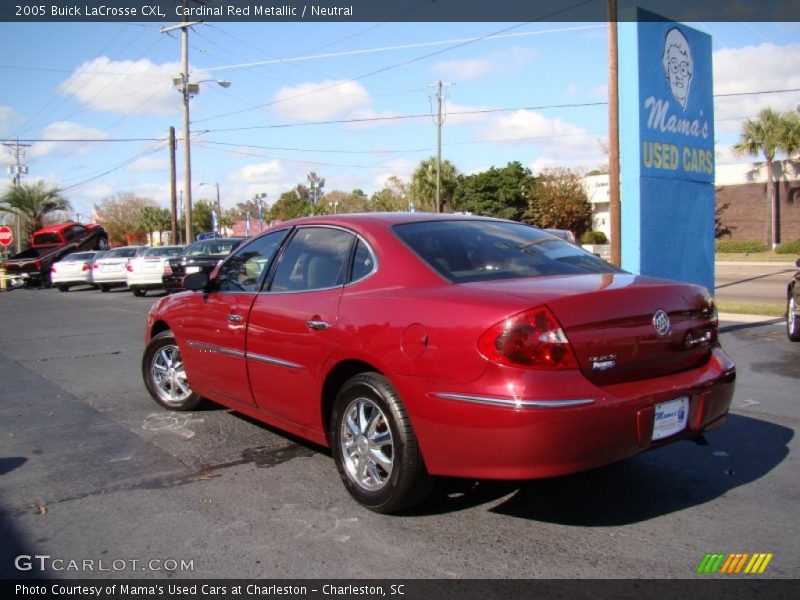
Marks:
<point>791,315</point>
<point>366,444</point>
<point>169,376</point>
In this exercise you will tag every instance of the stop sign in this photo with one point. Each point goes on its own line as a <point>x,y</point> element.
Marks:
<point>5,235</point>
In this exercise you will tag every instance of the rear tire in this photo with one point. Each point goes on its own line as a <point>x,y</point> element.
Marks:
<point>138,291</point>
<point>104,287</point>
<point>375,448</point>
<point>792,320</point>
<point>165,376</point>
<point>63,288</point>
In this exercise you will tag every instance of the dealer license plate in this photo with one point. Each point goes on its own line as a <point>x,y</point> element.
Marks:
<point>670,418</point>
<point>192,270</point>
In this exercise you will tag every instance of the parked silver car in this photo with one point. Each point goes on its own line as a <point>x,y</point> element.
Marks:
<point>74,269</point>
<point>145,272</point>
<point>109,271</point>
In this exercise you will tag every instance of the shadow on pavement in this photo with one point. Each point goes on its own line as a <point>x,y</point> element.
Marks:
<point>666,480</point>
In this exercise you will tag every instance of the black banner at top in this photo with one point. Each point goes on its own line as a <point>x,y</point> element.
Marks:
<point>390,10</point>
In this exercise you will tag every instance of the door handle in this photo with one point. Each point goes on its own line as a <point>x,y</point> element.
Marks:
<point>318,325</point>
<point>233,318</point>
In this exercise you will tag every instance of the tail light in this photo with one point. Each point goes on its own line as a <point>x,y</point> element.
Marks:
<point>167,269</point>
<point>532,339</point>
<point>86,267</point>
<point>53,269</point>
<point>129,267</point>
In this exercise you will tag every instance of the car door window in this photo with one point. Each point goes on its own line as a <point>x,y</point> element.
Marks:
<point>316,258</point>
<point>242,271</point>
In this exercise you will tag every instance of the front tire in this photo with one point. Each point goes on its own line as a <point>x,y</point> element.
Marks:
<point>375,448</point>
<point>165,376</point>
<point>792,320</point>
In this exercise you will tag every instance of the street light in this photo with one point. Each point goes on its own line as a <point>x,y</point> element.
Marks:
<point>259,200</point>
<point>334,205</point>
<point>219,208</point>
<point>188,89</point>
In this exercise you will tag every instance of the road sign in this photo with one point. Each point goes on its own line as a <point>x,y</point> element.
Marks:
<point>6,237</point>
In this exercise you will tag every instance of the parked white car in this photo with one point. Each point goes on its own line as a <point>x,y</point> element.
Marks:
<point>109,271</point>
<point>74,269</point>
<point>145,272</point>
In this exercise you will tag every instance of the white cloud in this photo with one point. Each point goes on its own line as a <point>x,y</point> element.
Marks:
<point>400,167</point>
<point>751,69</point>
<point>504,62</point>
<point>66,130</point>
<point>266,172</point>
<point>148,163</point>
<point>555,141</point>
<point>572,89</point>
<point>321,101</point>
<point>260,178</point>
<point>131,87</point>
<point>451,111</point>
<point>600,91</point>
<point>8,119</point>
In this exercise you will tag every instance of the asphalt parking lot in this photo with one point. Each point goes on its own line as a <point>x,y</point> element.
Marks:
<point>91,469</point>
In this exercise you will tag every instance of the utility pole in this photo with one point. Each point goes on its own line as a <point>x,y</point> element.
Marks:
<point>438,119</point>
<point>186,91</point>
<point>18,170</point>
<point>613,137</point>
<point>173,191</point>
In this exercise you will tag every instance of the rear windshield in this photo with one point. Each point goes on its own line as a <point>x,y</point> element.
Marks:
<point>217,247</point>
<point>121,253</point>
<point>79,256</point>
<point>42,239</point>
<point>163,251</point>
<point>465,251</point>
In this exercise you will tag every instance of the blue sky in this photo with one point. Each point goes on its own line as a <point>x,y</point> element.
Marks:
<point>261,135</point>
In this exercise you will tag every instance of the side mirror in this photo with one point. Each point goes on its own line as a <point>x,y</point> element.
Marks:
<point>196,281</point>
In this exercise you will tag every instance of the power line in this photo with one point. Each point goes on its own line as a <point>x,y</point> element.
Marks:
<point>397,65</point>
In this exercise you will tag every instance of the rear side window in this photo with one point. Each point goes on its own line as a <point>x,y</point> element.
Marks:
<point>163,251</point>
<point>363,262</point>
<point>242,272</point>
<point>42,239</point>
<point>316,258</point>
<point>465,251</point>
<point>122,253</point>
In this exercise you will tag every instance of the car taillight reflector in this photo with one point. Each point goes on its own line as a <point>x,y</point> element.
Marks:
<point>53,269</point>
<point>129,267</point>
<point>86,267</point>
<point>167,270</point>
<point>532,339</point>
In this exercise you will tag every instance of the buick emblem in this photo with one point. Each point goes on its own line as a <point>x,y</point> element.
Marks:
<point>661,323</point>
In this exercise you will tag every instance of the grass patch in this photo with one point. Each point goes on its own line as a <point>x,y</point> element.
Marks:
<point>767,309</point>
<point>755,257</point>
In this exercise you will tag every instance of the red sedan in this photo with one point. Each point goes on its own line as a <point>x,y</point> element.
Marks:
<point>418,345</point>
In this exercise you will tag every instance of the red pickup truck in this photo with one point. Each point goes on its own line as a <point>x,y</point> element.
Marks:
<point>49,245</point>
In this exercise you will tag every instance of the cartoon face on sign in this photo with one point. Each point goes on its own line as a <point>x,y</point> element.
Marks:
<point>677,61</point>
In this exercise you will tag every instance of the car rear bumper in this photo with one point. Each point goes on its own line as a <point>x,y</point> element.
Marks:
<point>146,280</point>
<point>110,278</point>
<point>515,424</point>
<point>79,277</point>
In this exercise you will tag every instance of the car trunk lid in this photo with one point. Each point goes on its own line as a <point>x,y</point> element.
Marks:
<point>623,327</point>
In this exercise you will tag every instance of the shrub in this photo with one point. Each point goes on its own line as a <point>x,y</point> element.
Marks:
<point>789,247</point>
<point>740,246</point>
<point>594,237</point>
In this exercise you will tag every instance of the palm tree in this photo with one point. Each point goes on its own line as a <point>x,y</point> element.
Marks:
<point>423,184</point>
<point>766,135</point>
<point>33,202</point>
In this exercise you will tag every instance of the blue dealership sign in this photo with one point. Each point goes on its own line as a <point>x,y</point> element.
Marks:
<point>667,150</point>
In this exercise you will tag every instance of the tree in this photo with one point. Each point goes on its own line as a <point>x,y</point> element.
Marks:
<point>154,218</point>
<point>392,198</point>
<point>289,206</point>
<point>119,214</point>
<point>559,201</point>
<point>423,185</point>
<point>497,192</point>
<point>769,134</point>
<point>201,216</point>
<point>314,192</point>
<point>340,202</point>
<point>33,202</point>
